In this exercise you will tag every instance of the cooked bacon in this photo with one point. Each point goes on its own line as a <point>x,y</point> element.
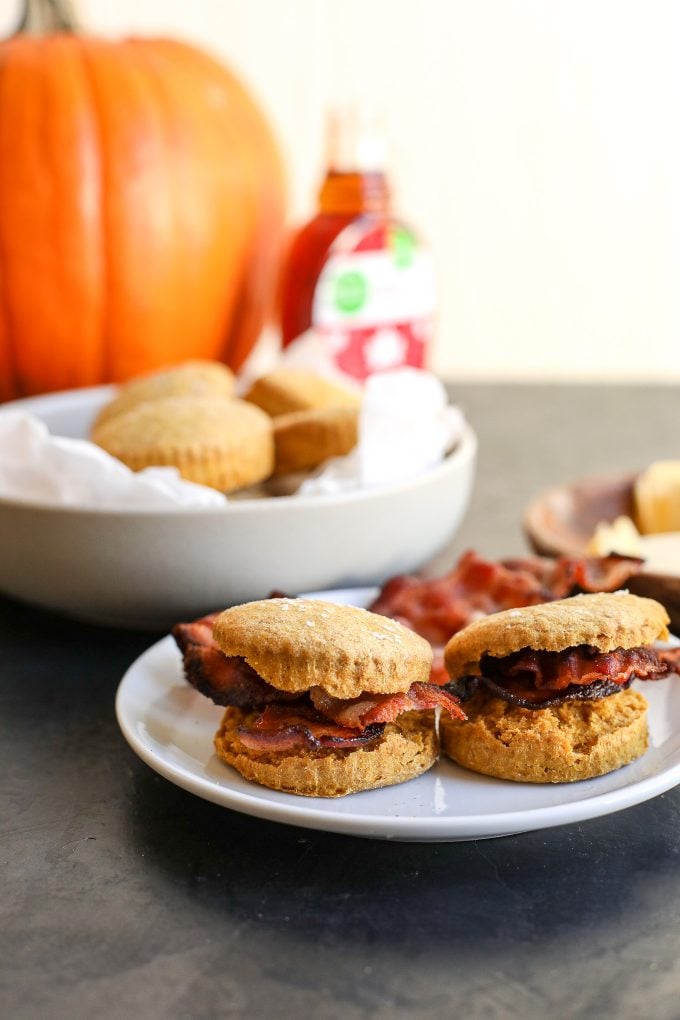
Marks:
<point>571,575</point>
<point>282,729</point>
<point>594,573</point>
<point>534,679</point>
<point>436,608</point>
<point>383,708</point>
<point>226,680</point>
<point>198,632</point>
<point>527,697</point>
<point>671,656</point>
<point>554,671</point>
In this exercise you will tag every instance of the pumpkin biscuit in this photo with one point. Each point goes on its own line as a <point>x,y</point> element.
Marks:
<point>408,746</point>
<point>604,620</point>
<point>321,699</point>
<point>566,741</point>
<point>292,389</point>
<point>223,443</point>
<point>305,439</point>
<point>189,379</point>
<point>295,644</point>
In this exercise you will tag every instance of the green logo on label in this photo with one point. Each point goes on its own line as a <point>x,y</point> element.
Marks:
<point>350,291</point>
<point>403,246</point>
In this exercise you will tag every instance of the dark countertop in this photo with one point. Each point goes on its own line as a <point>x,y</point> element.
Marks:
<point>124,896</point>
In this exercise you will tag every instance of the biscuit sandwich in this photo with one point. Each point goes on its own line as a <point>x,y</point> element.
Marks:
<point>546,689</point>
<point>321,699</point>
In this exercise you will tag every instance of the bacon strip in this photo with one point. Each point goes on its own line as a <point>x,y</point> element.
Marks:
<point>571,575</point>
<point>282,729</point>
<point>536,679</point>
<point>198,632</point>
<point>226,680</point>
<point>527,697</point>
<point>383,708</point>
<point>581,665</point>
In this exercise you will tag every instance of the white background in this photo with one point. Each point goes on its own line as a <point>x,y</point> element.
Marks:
<point>534,144</point>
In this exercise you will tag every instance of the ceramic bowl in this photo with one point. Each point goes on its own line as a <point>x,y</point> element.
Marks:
<point>561,521</point>
<point>149,569</point>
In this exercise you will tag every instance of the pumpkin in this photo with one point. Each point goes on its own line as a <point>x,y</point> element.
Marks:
<point>141,210</point>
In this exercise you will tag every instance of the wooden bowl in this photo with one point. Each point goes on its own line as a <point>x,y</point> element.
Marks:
<point>561,522</point>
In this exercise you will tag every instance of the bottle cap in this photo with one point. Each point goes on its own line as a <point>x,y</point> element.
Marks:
<point>355,141</point>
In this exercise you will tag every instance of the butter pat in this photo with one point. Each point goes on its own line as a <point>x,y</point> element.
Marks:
<point>618,536</point>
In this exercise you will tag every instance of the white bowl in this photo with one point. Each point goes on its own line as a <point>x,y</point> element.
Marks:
<point>149,569</point>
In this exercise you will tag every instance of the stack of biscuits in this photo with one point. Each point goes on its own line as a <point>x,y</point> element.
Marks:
<point>189,417</point>
<point>314,419</point>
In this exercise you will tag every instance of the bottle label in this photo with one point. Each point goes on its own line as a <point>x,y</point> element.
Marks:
<point>375,298</point>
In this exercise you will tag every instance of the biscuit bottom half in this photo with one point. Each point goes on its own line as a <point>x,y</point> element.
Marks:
<point>406,748</point>
<point>576,740</point>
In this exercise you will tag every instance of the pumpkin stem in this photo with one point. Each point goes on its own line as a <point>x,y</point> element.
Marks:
<point>41,17</point>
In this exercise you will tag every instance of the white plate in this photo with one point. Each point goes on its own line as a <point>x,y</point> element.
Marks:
<point>171,727</point>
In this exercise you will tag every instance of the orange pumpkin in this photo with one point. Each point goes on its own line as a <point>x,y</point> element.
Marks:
<point>141,211</point>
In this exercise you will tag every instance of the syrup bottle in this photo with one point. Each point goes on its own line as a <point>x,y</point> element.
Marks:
<point>354,274</point>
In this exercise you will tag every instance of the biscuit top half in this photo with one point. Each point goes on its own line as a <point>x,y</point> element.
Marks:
<point>605,620</point>
<point>199,423</point>
<point>284,390</point>
<point>295,644</point>
<point>195,378</point>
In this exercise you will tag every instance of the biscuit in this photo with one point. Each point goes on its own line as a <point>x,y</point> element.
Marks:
<point>604,620</point>
<point>562,744</point>
<point>406,748</point>
<point>295,644</point>
<point>189,379</point>
<point>305,439</point>
<point>214,441</point>
<point>292,389</point>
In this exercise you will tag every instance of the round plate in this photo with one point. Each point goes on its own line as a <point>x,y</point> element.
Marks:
<point>171,727</point>
<point>175,563</point>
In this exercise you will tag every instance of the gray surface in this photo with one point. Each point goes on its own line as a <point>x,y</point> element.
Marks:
<point>124,896</point>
